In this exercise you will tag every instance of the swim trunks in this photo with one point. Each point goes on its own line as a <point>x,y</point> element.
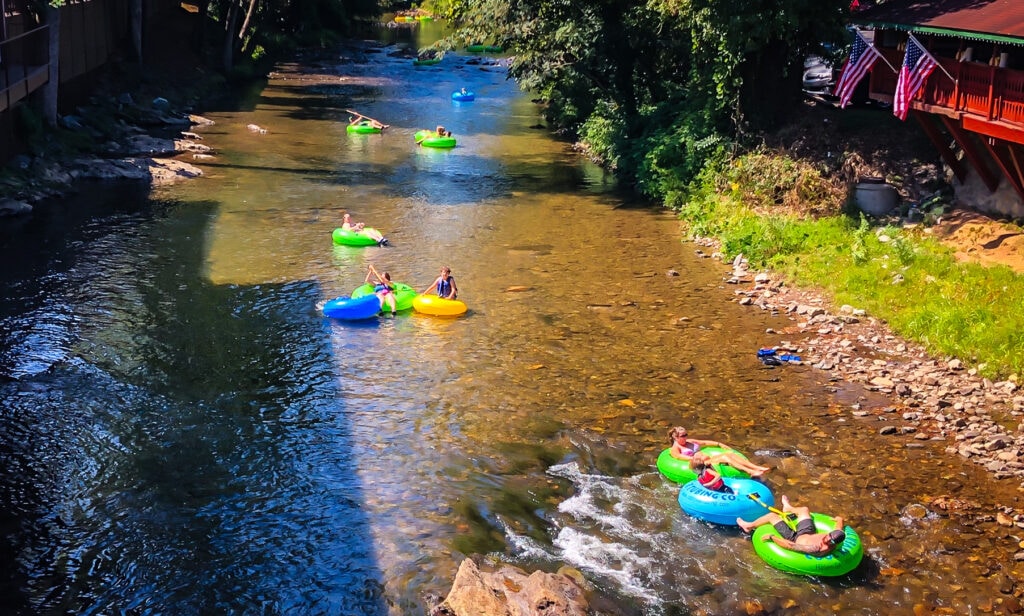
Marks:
<point>803,527</point>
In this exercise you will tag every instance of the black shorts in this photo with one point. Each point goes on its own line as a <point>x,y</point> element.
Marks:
<point>803,527</point>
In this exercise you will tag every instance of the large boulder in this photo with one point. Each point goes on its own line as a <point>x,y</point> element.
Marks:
<point>105,169</point>
<point>147,145</point>
<point>509,591</point>
<point>13,207</point>
<point>168,171</point>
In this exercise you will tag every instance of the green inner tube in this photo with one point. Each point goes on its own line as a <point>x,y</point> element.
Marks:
<point>841,561</point>
<point>363,127</point>
<point>427,62</point>
<point>429,138</point>
<point>404,294</point>
<point>679,471</point>
<point>476,47</point>
<point>352,238</point>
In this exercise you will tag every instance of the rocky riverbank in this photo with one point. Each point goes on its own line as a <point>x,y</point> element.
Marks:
<point>127,142</point>
<point>931,399</point>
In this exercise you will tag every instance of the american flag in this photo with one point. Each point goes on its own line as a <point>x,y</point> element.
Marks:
<point>917,65</point>
<point>862,58</point>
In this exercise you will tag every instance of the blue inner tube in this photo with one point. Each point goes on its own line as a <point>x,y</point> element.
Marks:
<point>841,561</point>
<point>463,97</point>
<point>723,508</point>
<point>352,309</point>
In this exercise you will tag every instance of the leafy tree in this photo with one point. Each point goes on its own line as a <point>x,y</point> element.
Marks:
<point>655,87</point>
<point>248,26</point>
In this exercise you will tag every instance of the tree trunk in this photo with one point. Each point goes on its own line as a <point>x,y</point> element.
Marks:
<point>199,28</point>
<point>52,89</point>
<point>228,57</point>
<point>136,15</point>
<point>248,17</point>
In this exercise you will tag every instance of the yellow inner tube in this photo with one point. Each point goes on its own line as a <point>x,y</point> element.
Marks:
<point>432,304</point>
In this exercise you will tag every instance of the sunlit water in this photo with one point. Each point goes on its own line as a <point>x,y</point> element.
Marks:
<point>184,433</point>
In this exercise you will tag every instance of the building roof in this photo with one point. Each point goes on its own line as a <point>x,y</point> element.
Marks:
<point>990,20</point>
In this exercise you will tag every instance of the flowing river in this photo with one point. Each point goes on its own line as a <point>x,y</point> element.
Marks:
<point>184,433</point>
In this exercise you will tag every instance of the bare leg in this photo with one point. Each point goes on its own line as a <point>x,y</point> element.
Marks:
<point>799,512</point>
<point>768,518</point>
<point>739,463</point>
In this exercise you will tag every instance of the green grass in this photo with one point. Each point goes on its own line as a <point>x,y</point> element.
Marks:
<point>911,281</point>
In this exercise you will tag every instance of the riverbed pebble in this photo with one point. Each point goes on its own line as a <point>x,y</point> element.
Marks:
<point>938,398</point>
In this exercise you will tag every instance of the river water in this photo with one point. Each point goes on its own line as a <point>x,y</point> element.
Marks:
<point>184,433</point>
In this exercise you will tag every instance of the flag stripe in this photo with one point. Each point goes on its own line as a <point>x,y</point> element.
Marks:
<point>862,57</point>
<point>918,64</point>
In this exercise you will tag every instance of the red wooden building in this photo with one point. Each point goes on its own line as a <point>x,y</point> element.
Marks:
<point>972,104</point>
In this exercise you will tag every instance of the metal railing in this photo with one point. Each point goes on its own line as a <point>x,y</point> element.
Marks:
<point>24,65</point>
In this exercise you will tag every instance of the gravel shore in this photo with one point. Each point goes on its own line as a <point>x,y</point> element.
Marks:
<point>932,399</point>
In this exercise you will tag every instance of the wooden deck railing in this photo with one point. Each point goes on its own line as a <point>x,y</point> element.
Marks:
<point>987,93</point>
<point>24,65</point>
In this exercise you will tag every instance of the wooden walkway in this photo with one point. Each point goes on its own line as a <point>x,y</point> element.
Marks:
<point>17,82</point>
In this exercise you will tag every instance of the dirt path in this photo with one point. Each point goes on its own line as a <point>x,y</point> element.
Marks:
<point>979,238</point>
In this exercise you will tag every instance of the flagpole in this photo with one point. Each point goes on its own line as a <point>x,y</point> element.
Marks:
<point>937,63</point>
<point>880,55</point>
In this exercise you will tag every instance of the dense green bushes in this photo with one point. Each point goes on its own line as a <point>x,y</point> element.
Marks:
<point>677,97</point>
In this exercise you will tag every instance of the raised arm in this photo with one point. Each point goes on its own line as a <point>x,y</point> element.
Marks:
<point>786,544</point>
<point>813,549</point>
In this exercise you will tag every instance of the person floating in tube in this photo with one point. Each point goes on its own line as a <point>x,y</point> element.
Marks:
<point>804,537</point>
<point>444,285</point>
<point>383,289</point>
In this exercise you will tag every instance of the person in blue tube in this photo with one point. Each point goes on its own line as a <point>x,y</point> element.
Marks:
<point>707,476</point>
<point>444,285</point>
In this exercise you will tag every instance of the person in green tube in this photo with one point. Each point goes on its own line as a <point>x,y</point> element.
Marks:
<point>358,227</point>
<point>383,288</point>
<point>804,538</point>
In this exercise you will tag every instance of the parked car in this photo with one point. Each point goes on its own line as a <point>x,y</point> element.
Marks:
<point>819,74</point>
<point>822,71</point>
